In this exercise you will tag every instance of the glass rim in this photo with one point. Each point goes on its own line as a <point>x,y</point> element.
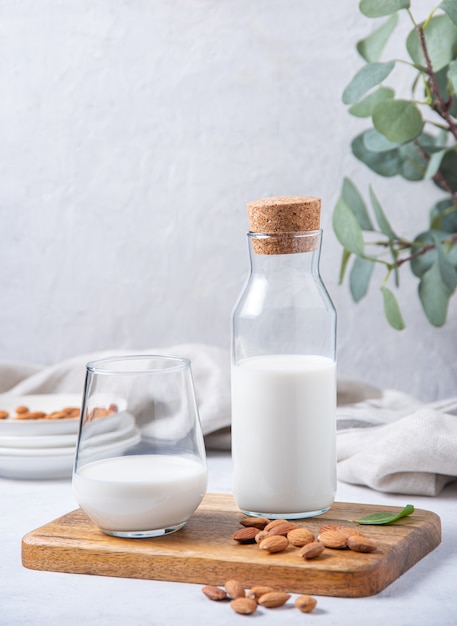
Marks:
<point>286,235</point>
<point>97,366</point>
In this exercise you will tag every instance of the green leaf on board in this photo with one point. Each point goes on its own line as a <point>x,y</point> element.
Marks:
<point>377,8</point>
<point>448,271</point>
<point>398,120</point>
<point>344,263</point>
<point>355,202</point>
<point>365,107</point>
<point>450,7</point>
<point>383,163</point>
<point>347,228</point>
<point>434,295</point>
<point>441,41</point>
<point>375,142</point>
<point>386,518</point>
<point>381,219</point>
<point>367,77</point>
<point>372,46</point>
<point>391,309</point>
<point>359,278</point>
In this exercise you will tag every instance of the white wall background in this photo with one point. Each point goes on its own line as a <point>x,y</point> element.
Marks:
<point>133,132</point>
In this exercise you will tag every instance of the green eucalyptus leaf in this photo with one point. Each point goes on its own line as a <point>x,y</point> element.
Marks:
<point>450,7</point>
<point>398,120</point>
<point>430,143</point>
<point>365,107</point>
<point>414,165</point>
<point>381,219</point>
<point>369,76</point>
<point>355,202</point>
<point>383,163</point>
<point>441,41</point>
<point>444,217</point>
<point>372,46</point>
<point>380,8</point>
<point>359,278</point>
<point>386,518</point>
<point>344,263</point>
<point>448,169</point>
<point>434,164</point>
<point>375,142</point>
<point>423,261</point>
<point>347,228</point>
<point>448,272</point>
<point>434,295</point>
<point>391,309</point>
<point>452,75</point>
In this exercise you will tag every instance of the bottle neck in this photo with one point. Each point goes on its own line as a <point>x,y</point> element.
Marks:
<point>269,252</point>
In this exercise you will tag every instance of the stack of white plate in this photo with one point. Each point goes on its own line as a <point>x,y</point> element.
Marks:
<point>45,448</point>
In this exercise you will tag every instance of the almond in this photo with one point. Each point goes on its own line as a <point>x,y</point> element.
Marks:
<point>35,415</point>
<point>245,535</point>
<point>311,550</point>
<point>274,523</point>
<point>360,543</point>
<point>4,415</point>
<point>333,539</point>
<point>214,593</point>
<point>257,591</point>
<point>261,535</point>
<point>234,589</point>
<point>22,409</point>
<point>277,543</point>
<point>305,603</point>
<point>244,606</point>
<point>256,522</point>
<point>282,529</point>
<point>273,599</point>
<point>347,531</point>
<point>300,536</point>
<point>328,527</point>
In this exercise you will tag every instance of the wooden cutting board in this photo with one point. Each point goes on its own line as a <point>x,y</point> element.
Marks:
<point>204,551</point>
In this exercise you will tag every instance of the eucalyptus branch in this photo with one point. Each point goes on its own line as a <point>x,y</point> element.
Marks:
<point>450,240</point>
<point>441,107</point>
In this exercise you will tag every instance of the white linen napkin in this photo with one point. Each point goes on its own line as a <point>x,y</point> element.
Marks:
<point>396,444</point>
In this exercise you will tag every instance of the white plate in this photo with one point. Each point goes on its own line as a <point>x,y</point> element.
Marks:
<point>48,403</point>
<point>46,463</point>
<point>39,402</point>
<point>38,441</point>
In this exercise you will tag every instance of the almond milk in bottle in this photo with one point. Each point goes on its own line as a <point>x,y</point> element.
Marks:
<point>284,367</point>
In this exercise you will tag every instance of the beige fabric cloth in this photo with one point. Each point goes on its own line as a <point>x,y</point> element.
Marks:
<point>396,444</point>
<point>386,439</point>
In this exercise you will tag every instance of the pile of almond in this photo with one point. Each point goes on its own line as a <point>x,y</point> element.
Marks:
<point>279,535</point>
<point>24,413</point>
<point>246,602</point>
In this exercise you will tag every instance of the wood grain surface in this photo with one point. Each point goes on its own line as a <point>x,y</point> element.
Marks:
<point>204,551</point>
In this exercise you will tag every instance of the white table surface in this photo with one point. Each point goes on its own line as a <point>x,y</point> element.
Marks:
<point>425,595</point>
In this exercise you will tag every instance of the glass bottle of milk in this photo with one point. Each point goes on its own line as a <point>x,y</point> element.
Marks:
<point>284,367</point>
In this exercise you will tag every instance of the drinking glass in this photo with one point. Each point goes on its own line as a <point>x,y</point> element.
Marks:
<point>140,465</point>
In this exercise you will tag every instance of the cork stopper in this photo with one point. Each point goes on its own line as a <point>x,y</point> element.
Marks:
<point>282,220</point>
